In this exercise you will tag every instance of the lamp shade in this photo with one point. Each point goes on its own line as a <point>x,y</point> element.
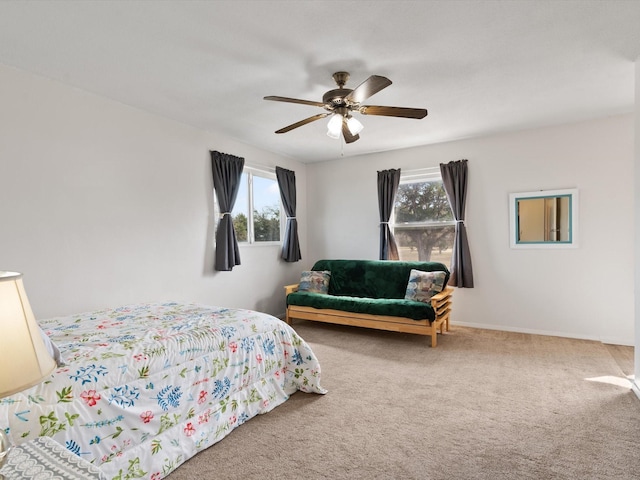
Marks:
<point>24,358</point>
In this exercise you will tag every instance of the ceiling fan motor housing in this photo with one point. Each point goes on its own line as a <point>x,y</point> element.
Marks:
<point>335,98</point>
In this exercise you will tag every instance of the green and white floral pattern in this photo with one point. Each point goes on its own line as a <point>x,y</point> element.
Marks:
<point>145,387</point>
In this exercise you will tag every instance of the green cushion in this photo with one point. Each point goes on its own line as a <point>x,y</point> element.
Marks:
<point>373,306</point>
<point>373,278</point>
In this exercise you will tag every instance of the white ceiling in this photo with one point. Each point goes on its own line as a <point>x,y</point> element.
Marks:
<point>479,67</point>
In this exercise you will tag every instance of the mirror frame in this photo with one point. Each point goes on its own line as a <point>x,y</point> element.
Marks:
<point>572,193</point>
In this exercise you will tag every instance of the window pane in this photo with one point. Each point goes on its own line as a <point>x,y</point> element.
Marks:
<point>423,222</point>
<point>422,202</point>
<point>425,244</point>
<point>240,211</point>
<point>256,213</point>
<point>266,209</point>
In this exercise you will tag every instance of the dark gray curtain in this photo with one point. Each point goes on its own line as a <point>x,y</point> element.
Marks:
<point>291,245</point>
<point>227,171</point>
<point>454,179</point>
<point>388,181</point>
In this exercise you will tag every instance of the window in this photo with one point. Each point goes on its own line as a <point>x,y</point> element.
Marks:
<point>422,220</point>
<point>257,212</point>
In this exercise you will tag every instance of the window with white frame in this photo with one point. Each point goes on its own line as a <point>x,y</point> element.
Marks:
<point>257,212</point>
<point>423,224</point>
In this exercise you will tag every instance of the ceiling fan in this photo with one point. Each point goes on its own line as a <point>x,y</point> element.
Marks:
<point>341,102</point>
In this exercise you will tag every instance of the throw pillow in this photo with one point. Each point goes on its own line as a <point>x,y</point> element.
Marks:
<point>424,285</point>
<point>314,281</point>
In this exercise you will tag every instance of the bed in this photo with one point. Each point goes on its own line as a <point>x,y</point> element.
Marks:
<point>145,387</point>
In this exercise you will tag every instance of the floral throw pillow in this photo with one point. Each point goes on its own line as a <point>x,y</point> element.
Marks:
<point>424,285</point>
<point>314,281</point>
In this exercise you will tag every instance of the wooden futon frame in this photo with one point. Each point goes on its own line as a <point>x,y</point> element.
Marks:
<point>440,302</point>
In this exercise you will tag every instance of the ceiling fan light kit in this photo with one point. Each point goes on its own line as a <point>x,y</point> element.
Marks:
<point>334,127</point>
<point>355,127</point>
<point>341,102</point>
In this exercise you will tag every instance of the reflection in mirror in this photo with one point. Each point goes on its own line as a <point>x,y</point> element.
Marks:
<point>544,219</point>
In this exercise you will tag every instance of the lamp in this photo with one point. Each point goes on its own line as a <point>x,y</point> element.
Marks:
<point>24,355</point>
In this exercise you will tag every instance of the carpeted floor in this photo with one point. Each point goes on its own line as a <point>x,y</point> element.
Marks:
<point>482,405</point>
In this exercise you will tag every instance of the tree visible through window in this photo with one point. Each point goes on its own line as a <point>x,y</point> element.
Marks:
<point>423,223</point>
<point>256,213</point>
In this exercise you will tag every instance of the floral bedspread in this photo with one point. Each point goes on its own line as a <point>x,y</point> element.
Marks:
<point>146,387</point>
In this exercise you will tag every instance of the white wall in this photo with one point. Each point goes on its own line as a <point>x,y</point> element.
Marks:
<point>585,292</point>
<point>102,204</point>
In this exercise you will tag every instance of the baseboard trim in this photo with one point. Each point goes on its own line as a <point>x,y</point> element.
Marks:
<point>617,341</point>
<point>578,336</point>
<point>607,340</point>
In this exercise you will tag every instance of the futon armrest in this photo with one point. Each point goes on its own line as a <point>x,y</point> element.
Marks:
<point>442,296</point>
<point>441,303</point>
<point>290,288</point>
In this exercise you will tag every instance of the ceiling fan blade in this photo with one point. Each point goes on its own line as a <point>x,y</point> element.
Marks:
<point>346,133</point>
<point>393,111</point>
<point>370,86</point>
<point>302,122</point>
<point>294,100</point>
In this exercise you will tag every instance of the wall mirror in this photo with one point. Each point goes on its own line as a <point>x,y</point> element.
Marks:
<point>544,219</point>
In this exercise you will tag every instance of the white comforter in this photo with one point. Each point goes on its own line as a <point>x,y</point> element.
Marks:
<point>145,387</point>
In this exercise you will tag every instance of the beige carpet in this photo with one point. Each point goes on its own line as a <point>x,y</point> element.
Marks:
<point>482,405</point>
